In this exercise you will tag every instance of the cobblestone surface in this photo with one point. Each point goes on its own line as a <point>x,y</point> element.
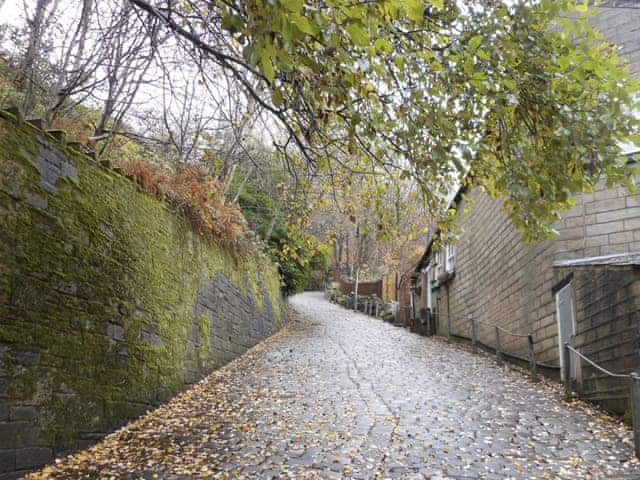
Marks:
<point>341,395</point>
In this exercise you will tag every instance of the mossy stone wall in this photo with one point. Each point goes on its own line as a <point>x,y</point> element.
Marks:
<point>109,302</point>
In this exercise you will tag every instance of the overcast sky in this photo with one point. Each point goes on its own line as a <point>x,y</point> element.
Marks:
<point>10,10</point>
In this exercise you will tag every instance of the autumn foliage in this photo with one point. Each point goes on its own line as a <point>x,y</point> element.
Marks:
<point>196,194</point>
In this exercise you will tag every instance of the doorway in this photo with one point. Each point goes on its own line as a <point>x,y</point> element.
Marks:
<point>565,313</point>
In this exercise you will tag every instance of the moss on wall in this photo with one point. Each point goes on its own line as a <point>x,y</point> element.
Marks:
<point>98,284</point>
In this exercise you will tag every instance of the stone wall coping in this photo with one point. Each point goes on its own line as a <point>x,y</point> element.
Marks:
<point>617,259</point>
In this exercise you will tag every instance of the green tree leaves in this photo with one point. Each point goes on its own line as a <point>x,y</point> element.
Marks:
<point>415,9</point>
<point>358,35</point>
<point>523,97</point>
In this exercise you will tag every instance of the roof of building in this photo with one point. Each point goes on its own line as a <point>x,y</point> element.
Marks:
<point>618,260</point>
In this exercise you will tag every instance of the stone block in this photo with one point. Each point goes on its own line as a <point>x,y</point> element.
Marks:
<point>613,249</point>
<point>7,461</point>
<point>37,201</point>
<point>632,200</point>
<point>24,413</point>
<point>606,228</point>
<point>571,234</point>
<point>29,435</point>
<point>152,339</point>
<point>607,193</point>
<point>621,214</point>
<point>618,203</point>
<point>571,245</point>
<point>8,434</point>
<point>632,224</point>
<point>621,237</point>
<point>4,386</point>
<point>591,252</point>
<point>115,332</point>
<point>23,357</point>
<point>572,222</point>
<point>32,457</point>
<point>597,240</point>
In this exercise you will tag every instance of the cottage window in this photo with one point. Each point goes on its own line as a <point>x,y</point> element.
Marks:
<point>438,260</point>
<point>451,257</point>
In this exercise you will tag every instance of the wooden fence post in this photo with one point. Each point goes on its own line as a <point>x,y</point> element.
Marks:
<point>532,358</point>
<point>567,369</point>
<point>498,347</point>
<point>474,335</point>
<point>635,410</point>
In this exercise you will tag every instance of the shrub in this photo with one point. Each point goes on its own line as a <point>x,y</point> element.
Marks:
<point>298,254</point>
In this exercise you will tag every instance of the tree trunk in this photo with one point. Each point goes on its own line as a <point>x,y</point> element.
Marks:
<point>27,72</point>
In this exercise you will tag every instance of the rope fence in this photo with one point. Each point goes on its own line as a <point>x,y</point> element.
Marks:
<point>499,334</point>
<point>570,352</point>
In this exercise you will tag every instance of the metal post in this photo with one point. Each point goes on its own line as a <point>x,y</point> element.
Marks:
<point>567,369</point>
<point>377,309</point>
<point>498,347</point>
<point>532,358</point>
<point>366,306</point>
<point>635,410</point>
<point>474,335</point>
<point>355,298</point>
<point>448,325</point>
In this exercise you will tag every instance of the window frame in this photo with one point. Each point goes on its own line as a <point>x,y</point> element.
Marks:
<point>450,257</point>
<point>439,264</point>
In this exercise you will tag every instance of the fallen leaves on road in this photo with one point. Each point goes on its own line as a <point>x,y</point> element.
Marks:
<point>341,395</point>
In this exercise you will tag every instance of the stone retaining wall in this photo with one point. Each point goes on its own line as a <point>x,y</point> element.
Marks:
<point>109,302</point>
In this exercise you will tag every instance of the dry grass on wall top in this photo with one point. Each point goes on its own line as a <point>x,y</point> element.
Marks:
<point>196,194</point>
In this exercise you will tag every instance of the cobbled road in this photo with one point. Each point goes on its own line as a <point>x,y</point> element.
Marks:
<point>337,394</point>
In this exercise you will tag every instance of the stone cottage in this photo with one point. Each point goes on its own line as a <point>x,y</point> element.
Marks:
<point>584,284</point>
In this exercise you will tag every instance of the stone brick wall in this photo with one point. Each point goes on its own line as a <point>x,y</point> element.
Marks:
<point>109,303</point>
<point>619,22</point>
<point>502,280</point>
<point>499,279</point>
<point>608,329</point>
<point>604,222</point>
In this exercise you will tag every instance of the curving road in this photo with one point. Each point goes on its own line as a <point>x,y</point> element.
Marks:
<point>337,394</point>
